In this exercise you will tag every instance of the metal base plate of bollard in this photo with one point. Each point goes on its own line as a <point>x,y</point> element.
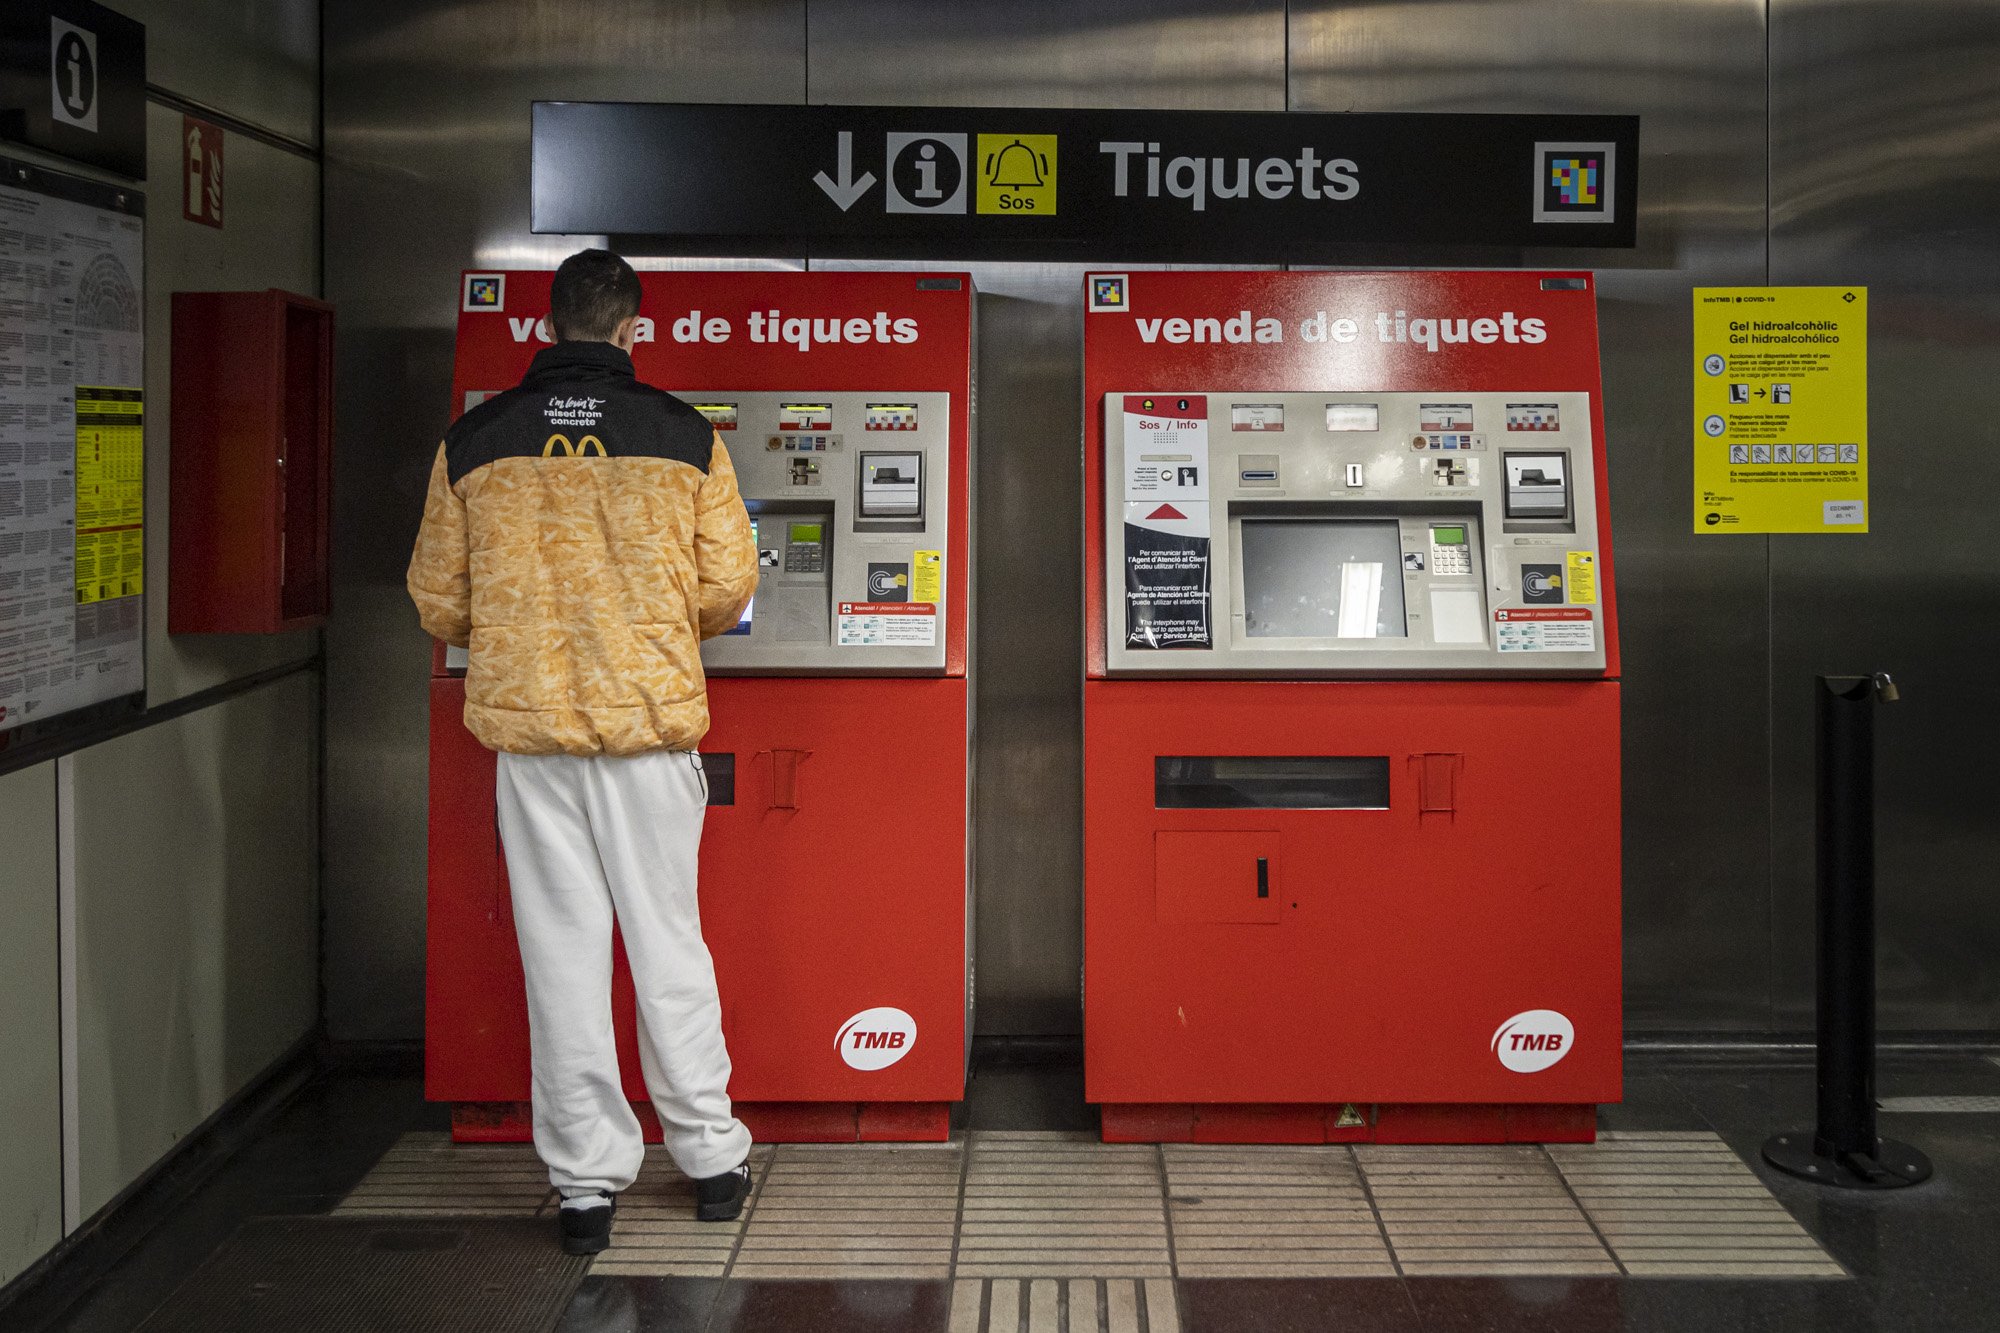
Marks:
<point>1891,1166</point>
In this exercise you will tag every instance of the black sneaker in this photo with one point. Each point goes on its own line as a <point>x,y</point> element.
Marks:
<point>720,1198</point>
<point>587,1230</point>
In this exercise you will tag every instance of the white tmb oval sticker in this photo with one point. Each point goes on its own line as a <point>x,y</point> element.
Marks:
<point>1530,1042</point>
<point>876,1038</point>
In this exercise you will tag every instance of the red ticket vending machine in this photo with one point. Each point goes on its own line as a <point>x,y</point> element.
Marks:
<point>1350,711</point>
<point>834,862</point>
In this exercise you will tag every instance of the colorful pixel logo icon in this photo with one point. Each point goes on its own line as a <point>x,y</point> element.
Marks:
<point>1107,294</point>
<point>1575,179</point>
<point>485,291</point>
<point>1574,182</point>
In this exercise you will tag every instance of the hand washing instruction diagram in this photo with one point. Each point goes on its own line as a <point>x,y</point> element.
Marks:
<point>1780,409</point>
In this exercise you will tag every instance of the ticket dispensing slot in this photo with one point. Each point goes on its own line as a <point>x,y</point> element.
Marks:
<point>892,492</point>
<point>1538,496</point>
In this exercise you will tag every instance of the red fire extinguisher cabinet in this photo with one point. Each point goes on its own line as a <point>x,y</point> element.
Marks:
<point>251,469</point>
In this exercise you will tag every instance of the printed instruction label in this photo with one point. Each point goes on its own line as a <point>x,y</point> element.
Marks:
<point>927,577</point>
<point>1780,409</point>
<point>1582,577</point>
<point>1545,630</point>
<point>1168,603</point>
<point>1166,447</point>
<point>886,625</point>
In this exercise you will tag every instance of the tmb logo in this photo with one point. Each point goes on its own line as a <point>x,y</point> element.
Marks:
<point>1530,1042</point>
<point>876,1038</point>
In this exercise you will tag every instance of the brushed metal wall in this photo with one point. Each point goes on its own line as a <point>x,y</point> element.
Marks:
<point>1693,611</point>
<point>1885,170</point>
<point>1028,794</point>
<point>426,174</point>
<point>426,134</point>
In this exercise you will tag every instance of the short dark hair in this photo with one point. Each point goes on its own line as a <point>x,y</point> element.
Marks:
<point>593,293</point>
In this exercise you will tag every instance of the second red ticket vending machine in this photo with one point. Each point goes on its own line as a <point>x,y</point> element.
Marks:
<point>836,853</point>
<point>1351,729</point>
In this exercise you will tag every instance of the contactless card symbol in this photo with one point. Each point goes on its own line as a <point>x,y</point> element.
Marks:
<point>926,173</point>
<point>1542,583</point>
<point>1017,174</point>
<point>1573,182</point>
<point>888,583</point>
<point>485,291</point>
<point>1108,294</point>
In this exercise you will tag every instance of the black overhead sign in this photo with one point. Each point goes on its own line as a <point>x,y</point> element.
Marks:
<point>73,82</point>
<point>993,183</point>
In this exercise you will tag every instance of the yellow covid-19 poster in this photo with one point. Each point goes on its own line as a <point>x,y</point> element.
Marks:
<point>1781,409</point>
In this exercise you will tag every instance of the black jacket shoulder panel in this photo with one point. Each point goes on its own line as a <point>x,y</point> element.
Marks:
<point>582,406</point>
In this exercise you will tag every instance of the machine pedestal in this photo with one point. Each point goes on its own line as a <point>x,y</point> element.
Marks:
<point>1146,1122</point>
<point>768,1122</point>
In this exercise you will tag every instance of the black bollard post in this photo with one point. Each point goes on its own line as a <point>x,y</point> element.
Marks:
<point>1844,1148</point>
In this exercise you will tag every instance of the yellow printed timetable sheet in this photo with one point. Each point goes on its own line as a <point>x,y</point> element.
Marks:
<point>110,493</point>
<point>1781,409</point>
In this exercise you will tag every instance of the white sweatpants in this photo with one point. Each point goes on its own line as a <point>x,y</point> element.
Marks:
<point>587,837</point>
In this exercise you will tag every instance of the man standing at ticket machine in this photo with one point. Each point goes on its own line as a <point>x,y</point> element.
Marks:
<point>582,535</point>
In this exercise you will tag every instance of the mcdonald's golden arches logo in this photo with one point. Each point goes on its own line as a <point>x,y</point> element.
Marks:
<point>581,449</point>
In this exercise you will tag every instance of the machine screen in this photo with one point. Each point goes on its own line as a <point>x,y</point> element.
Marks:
<point>1323,579</point>
<point>749,607</point>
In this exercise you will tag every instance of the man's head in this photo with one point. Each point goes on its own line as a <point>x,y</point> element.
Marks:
<point>594,298</point>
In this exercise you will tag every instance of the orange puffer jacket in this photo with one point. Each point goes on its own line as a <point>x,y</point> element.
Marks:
<point>582,535</point>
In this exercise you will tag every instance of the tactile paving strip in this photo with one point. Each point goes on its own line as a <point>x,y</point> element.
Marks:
<point>427,1175</point>
<point>1685,1205</point>
<point>1941,1105</point>
<point>1013,1206</point>
<point>1453,1211</point>
<point>852,1212</point>
<point>1271,1212</point>
<point>1059,1205</point>
<point>1054,1305</point>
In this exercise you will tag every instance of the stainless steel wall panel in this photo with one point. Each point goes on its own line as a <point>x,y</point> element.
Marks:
<point>1885,171</point>
<point>427,174</point>
<point>258,60</point>
<point>1185,54</point>
<point>1692,611</point>
<point>31,1214</point>
<point>1883,115</point>
<point>1028,799</point>
<point>196,920</point>
<point>271,240</point>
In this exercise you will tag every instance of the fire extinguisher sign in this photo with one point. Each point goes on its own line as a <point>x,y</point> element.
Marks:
<point>201,172</point>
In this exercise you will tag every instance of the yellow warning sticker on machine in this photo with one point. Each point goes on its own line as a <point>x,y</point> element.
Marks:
<point>927,577</point>
<point>1780,409</point>
<point>1582,576</point>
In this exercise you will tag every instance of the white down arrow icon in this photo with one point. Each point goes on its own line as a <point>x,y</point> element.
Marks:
<point>846,190</point>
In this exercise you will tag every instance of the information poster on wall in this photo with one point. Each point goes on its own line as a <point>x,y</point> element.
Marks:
<point>1781,409</point>
<point>1167,599</point>
<point>72,447</point>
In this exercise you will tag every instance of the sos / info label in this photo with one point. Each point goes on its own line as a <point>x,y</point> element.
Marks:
<point>1781,409</point>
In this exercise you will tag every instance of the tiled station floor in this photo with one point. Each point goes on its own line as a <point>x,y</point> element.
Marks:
<point>1025,1223</point>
